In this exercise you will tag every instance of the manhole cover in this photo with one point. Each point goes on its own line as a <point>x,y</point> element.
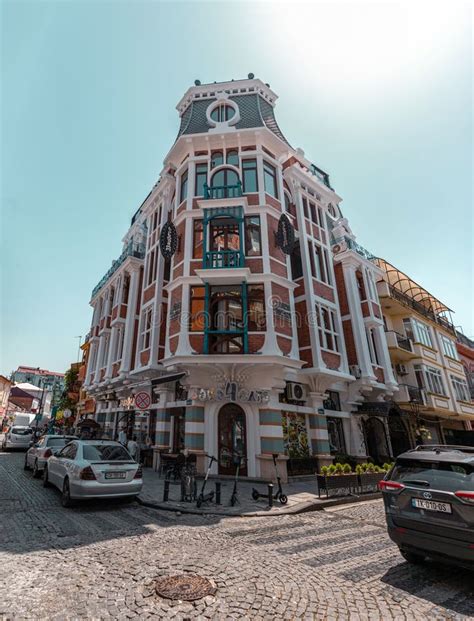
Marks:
<point>187,587</point>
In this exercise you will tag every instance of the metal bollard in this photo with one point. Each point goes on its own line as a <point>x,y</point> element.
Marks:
<point>270,495</point>
<point>166,491</point>
<point>218,492</point>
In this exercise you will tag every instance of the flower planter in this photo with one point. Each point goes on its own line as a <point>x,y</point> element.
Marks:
<point>337,484</point>
<point>368,482</point>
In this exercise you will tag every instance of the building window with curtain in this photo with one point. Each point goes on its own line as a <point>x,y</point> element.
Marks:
<point>253,241</point>
<point>256,308</point>
<point>197,309</point>
<point>270,179</point>
<point>249,176</point>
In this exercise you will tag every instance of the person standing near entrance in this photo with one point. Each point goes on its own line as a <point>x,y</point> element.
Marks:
<point>132,447</point>
<point>122,436</point>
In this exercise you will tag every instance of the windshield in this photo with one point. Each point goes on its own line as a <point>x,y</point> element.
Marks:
<point>445,476</point>
<point>58,441</point>
<point>21,431</point>
<point>105,452</point>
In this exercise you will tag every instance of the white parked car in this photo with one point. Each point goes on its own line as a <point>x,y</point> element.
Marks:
<point>93,469</point>
<point>17,437</point>
<point>41,451</point>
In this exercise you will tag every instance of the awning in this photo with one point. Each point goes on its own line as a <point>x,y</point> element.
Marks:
<point>171,377</point>
<point>403,283</point>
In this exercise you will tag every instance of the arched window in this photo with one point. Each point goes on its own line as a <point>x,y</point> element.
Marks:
<point>233,158</point>
<point>224,183</point>
<point>217,159</point>
<point>222,113</point>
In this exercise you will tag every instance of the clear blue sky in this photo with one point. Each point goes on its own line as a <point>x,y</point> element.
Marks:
<point>377,95</point>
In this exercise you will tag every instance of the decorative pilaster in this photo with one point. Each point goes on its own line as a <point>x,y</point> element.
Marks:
<point>130,322</point>
<point>162,429</point>
<point>194,429</point>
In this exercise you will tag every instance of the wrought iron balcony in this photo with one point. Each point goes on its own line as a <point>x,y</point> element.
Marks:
<point>219,259</point>
<point>352,245</point>
<point>132,250</point>
<point>223,191</point>
<point>416,395</point>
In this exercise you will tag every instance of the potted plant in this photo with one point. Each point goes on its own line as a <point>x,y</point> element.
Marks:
<point>337,478</point>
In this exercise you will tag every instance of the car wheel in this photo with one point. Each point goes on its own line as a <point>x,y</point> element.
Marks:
<point>46,482</point>
<point>36,472</point>
<point>66,495</point>
<point>411,557</point>
<point>25,465</point>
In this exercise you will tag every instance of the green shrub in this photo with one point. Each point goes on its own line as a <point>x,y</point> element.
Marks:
<point>339,469</point>
<point>370,468</point>
<point>386,466</point>
<point>378,469</point>
<point>347,469</point>
<point>325,470</point>
<point>359,469</point>
<point>364,467</point>
<point>331,469</point>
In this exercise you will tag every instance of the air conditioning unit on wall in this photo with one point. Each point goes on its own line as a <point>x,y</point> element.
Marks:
<point>401,369</point>
<point>295,392</point>
<point>354,370</point>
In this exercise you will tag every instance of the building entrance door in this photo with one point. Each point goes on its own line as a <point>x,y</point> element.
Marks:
<point>232,440</point>
<point>399,435</point>
<point>376,440</point>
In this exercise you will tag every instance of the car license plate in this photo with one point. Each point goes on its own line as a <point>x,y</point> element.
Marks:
<point>431,505</point>
<point>115,475</point>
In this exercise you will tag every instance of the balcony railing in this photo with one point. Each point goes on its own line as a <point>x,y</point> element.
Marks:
<point>403,342</point>
<point>132,250</point>
<point>223,191</point>
<point>415,394</point>
<point>352,245</point>
<point>420,308</point>
<point>219,259</point>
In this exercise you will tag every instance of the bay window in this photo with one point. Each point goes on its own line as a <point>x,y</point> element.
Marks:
<point>430,379</point>
<point>418,331</point>
<point>460,388</point>
<point>249,176</point>
<point>449,347</point>
<point>201,179</point>
<point>270,179</point>
<point>183,191</point>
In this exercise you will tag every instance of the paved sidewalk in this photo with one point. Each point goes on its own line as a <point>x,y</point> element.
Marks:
<point>302,497</point>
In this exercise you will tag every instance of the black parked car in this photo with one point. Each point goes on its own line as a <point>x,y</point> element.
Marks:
<point>429,504</point>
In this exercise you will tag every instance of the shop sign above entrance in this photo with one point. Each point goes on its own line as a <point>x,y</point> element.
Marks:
<point>231,391</point>
<point>128,403</point>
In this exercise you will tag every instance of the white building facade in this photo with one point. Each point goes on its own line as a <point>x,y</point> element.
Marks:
<point>241,317</point>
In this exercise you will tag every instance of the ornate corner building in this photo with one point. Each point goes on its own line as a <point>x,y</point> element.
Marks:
<point>241,310</point>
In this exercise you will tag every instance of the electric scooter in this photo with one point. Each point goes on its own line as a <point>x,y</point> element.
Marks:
<point>210,495</point>
<point>278,495</point>
<point>234,499</point>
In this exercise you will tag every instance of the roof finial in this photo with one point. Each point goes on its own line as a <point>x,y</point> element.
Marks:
<point>251,76</point>
<point>197,82</point>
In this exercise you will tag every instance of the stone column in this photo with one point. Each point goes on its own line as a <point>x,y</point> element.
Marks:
<point>110,358</point>
<point>318,430</point>
<point>358,325</point>
<point>130,322</point>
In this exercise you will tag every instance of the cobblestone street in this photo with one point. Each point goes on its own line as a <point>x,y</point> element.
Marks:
<point>99,560</point>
